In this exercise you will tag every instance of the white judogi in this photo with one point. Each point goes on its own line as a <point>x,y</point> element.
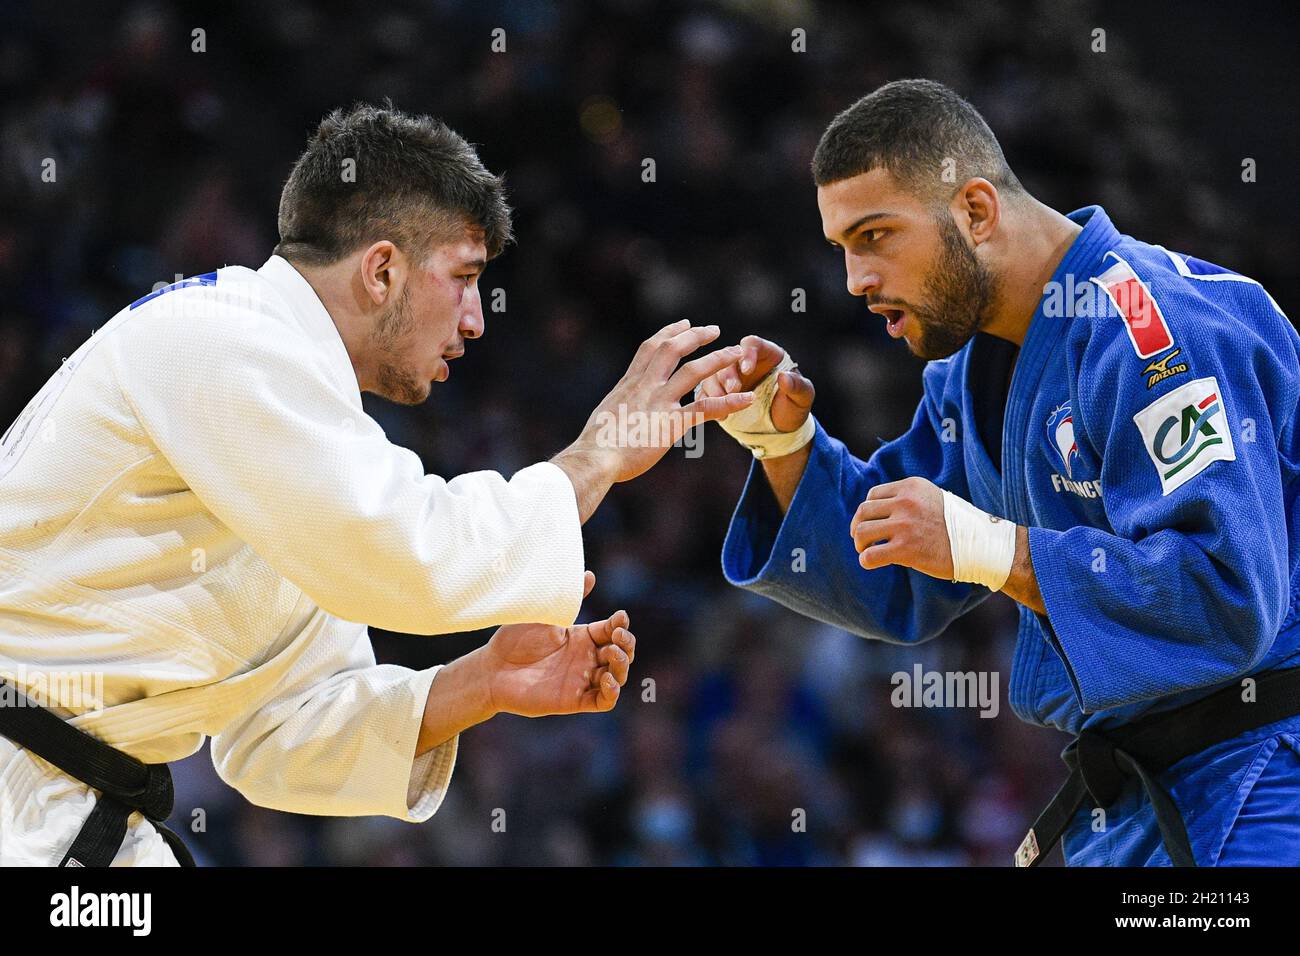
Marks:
<point>197,508</point>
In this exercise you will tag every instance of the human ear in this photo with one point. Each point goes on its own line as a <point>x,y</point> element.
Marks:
<point>978,206</point>
<point>383,271</point>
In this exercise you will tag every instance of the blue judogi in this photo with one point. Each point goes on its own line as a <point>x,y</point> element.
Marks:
<point>1148,442</point>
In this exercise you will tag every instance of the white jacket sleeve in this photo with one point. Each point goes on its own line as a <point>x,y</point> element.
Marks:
<point>338,738</point>
<point>258,421</point>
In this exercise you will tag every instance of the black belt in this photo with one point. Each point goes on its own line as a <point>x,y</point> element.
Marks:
<point>127,784</point>
<point>1101,763</point>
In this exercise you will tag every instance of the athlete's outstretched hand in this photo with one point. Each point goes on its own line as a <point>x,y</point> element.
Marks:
<point>639,420</point>
<point>794,392</point>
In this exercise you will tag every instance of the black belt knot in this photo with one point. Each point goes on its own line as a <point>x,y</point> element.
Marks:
<point>125,783</point>
<point>1105,768</point>
<point>157,797</point>
<point>1102,763</point>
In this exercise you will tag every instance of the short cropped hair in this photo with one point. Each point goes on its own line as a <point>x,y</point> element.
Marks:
<point>919,130</point>
<point>371,173</point>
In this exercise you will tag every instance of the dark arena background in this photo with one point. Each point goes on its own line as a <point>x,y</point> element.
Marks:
<point>175,125</point>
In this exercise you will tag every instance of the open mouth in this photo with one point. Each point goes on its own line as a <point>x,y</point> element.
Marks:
<point>894,319</point>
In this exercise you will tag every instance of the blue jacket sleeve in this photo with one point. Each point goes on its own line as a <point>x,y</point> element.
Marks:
<point>806,560</point>
<point>1193,584</point>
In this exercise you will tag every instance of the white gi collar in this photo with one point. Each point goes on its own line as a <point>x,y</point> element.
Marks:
<point>309,311</point>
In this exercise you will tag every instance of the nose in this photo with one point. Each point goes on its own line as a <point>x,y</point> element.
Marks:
<point>472,325</point>
<point>862,279</point>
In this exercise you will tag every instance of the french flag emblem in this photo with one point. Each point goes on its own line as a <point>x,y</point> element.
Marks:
<point>1143,319</point>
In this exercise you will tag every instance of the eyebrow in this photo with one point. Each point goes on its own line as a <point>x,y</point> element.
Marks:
<point>854,227</point>
<point>478,265</point>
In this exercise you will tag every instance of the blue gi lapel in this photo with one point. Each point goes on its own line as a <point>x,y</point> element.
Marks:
<point>1044,336</point>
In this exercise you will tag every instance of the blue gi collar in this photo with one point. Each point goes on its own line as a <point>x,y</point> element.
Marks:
<point>1098,235</point>
<point>1082,260</point>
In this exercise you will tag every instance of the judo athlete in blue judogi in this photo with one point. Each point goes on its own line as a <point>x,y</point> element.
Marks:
<point>1107,435</point>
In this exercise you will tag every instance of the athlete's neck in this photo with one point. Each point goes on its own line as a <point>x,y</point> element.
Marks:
<point>1038,238</point>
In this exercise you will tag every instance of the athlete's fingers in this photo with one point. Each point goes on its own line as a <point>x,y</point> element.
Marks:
<point>695,371</point>
<point>867,533</point>
<point>878,556</point>
<point>603,694</point>
<point>888,489</point>
<point>795,387</point>
<point>648,348</point>
<point>616,659</point>
<point>759,353</point>
<point>602,632</point>
<point>731,378</point>
<point>712,409</point>
<point>871,509</point>
<point>711,387</point>
<point>626,640</point>
<point>677,347</point>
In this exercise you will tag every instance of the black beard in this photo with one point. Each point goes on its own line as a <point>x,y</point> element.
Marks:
<point>958,292</point>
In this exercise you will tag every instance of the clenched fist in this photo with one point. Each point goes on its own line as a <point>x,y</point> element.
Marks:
<point>901,522</point>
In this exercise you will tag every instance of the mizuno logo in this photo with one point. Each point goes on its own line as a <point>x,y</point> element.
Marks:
<point>1161,370</point>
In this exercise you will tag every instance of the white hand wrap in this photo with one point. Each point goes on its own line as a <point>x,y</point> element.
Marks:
<point>753,427</point>
<point>983,546</point>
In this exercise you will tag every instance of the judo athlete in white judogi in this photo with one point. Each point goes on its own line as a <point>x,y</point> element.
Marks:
<point>197,515</point>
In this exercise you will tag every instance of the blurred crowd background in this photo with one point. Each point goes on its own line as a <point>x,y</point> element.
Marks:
<point>170,162</point>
